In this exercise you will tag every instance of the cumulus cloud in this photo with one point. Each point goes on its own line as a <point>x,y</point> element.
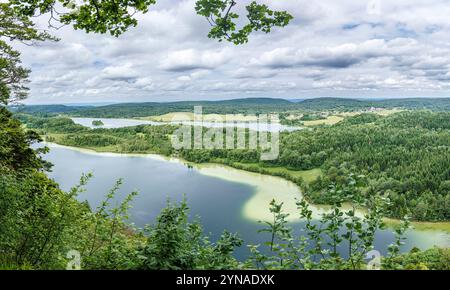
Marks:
<point>119,72</point>
<point>332,48</point>
<point>190,59</point>
<point>340,56</point>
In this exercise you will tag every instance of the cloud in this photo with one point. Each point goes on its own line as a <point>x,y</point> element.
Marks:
<point>332,48</point>
<point>340,56</point>
<point>251,73</point>
<point>190,59</point>
<point>194,75</point>
<point>120,72</point>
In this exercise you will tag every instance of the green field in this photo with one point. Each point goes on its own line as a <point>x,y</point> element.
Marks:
<point>307,175</point>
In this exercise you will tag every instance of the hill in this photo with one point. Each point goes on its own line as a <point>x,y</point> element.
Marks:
<point>235,106</point>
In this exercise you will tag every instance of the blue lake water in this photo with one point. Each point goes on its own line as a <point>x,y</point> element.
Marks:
<point>218,202</point>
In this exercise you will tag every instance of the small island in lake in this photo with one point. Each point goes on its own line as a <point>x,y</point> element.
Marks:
<point>97,123</point>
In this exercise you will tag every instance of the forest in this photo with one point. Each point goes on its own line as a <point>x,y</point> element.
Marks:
<point>236,106</point>
<point>405,156</point>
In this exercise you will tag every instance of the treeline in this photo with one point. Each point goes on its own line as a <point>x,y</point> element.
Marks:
<point>44,124</point>
<point>339,104</point>
<point>128,110</point>
<point>243,106</point>
<point>139,139</point>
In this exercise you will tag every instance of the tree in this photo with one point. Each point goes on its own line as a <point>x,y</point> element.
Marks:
<point>13,77</point>
<point>174,243</point>
<point>220,16</point>
<point>113,16</point>
<point>116,16</point>
<point>15,151</point>
<point>37,219</point>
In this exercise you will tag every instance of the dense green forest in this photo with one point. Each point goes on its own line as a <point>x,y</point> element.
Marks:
<point>405,156</point>
<point>97,123</point>
<point>41,225</point>
<point>244,106</point>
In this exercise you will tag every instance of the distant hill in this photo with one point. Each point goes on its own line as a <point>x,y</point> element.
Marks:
<point>247,106</point>
<point>332,103</point>
<point>438,104</point>
<point>318,104</point>
<point>45,109</point>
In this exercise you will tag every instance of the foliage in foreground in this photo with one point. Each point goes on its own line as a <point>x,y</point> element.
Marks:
<point>13,77</point>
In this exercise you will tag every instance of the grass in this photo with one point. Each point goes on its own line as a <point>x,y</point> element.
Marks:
<point>331,120</point>
<point>337,117</point>
<point>422,226</point>
<point>307,175</point>
<point>386,112</point>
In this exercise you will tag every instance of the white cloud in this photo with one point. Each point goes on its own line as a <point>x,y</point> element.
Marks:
<point>332,48</point>
<point>190,59</point>
<point>120,72</point>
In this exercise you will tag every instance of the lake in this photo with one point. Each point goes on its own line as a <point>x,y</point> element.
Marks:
<point>223,197</point>
<point>109,123</point>
<point>112,123</point>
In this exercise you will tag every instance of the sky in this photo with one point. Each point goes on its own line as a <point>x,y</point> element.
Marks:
<point>359,49</point>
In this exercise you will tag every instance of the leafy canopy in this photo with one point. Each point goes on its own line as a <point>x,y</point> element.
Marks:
<point>223,21</point>
<point>116,16</point>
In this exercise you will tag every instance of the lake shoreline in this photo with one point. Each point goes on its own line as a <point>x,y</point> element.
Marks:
<point>111,123</point>
<point>390,222</point>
